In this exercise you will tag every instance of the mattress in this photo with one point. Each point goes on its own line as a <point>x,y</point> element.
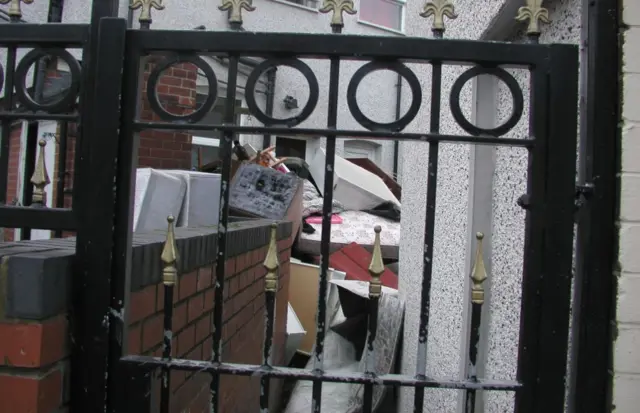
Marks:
<point>357,226</point>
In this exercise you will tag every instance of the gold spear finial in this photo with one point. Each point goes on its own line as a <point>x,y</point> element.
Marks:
<point>145,12</point>
<point>15,9</point>
<point>478,273</point>
<point>534,13</point>
<point>271,262</point>
<point>376,268</point>
<point>170,255</point>
<point>438,9</point>
<point>234,8</point>
<point>338,7</point>
<point>40,177</point>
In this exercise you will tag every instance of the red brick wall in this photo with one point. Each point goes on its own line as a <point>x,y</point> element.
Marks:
<point>243,331</point>
<point>13,172</point>
<point>72,131</point>
<point>33,366</point>
<point>177,95</point>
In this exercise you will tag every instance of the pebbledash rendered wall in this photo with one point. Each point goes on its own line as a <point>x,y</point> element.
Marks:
<point>478,188</point>
<point>35,314</point>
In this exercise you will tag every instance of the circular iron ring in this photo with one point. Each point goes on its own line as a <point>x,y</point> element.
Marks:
<point>199,113</point>
<point>516,94</point>
<point>69,97</point>
<point>402,70</point>
<point>299,65</point>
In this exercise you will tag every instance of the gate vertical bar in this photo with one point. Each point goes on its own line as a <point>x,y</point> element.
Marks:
<point>169,257</point>
<point>595,286</point>
<point>332,119</point>
<point>376,269</point>
<point>271,264</point>
<point>94,204</point>
<point>528,347</point>
<point>478,277</point>
<point>558,244</point>
<point>438,10</point>
<point>223,219</point>
<point>123,223</point>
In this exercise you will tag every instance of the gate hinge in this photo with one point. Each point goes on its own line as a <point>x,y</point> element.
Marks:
<point>583,195</point>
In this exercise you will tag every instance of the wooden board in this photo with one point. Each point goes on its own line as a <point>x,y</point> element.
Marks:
<point>303,297</point>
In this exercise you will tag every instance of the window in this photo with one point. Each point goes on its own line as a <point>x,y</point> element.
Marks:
<point>205,144</point>
<point>362,149</point>
<point>312,4</point>
<point>288,147</point>
<point>383,13</point>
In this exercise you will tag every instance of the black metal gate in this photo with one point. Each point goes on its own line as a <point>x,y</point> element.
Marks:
<point>112,65</point>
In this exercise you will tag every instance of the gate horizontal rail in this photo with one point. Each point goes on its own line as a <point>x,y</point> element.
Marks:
<point>325,376</point>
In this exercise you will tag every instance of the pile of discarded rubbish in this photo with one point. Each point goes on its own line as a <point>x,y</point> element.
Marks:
<point>263,186</point>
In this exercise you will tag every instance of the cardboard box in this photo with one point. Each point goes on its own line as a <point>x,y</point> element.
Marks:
<point>303,298</point>
<point>158,195</point>
<point>201,203</point>
<point>259,192</point>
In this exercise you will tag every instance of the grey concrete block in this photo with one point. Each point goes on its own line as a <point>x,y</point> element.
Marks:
<point>38,284</point>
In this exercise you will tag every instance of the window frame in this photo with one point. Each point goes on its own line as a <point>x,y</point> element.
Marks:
<point>219,106</point>
<point>401,30</point>
<point>315,8</point>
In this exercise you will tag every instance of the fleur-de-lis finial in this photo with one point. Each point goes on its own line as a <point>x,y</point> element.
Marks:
<point>338,7</point>
<point>145,13</point>
<point>271,263</point>
<point>40,177</point>
<point>376,267</point>
<point>478,273</point>
<point>15,11</point>
<point>169,255</point>
<point>438,9</point>
<point>234,8</point>
<point>534,13</point>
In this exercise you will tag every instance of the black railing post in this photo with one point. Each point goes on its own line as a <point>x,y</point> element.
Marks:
<point>95,314</point>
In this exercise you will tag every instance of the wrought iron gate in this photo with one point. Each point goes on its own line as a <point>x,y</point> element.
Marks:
<point>109,107</point>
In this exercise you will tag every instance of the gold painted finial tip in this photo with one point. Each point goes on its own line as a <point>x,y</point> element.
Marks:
<point>274,225</point>
<point>377,229</point>
<point>479,235</point>
<point>42,142</point>
<point>170,219</point>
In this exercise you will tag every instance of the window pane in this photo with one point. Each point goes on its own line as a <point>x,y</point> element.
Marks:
<point>286,147</point>
<point>386,13</point>
<point>207,154</point>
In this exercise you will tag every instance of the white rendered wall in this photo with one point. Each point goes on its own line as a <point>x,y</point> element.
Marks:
<point>477,191</point>
<point>627,346</point>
